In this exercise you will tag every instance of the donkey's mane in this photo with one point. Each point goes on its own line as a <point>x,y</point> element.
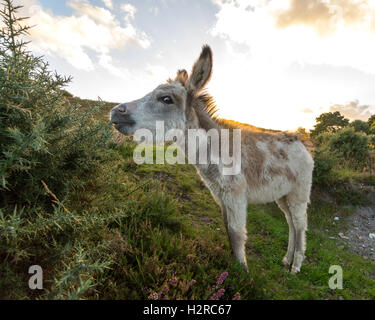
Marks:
<point>208,105</point>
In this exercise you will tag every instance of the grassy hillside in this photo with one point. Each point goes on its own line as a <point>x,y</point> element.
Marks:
<point>73,201</point>
<point>154,231</point>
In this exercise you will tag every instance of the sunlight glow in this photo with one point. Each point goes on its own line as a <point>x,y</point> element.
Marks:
<point>258,87</point>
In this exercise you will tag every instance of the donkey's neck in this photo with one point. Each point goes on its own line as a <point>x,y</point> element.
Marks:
<point>208,171</point>
<point>205,120</point>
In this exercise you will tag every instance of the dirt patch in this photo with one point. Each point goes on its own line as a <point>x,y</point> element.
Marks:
<point>360,237</point>
<point>362,233</point>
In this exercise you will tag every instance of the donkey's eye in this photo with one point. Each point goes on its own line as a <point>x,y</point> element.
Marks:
<point>166,100</point>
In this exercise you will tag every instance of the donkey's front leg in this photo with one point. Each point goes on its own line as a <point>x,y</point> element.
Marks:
<point>235,211</point>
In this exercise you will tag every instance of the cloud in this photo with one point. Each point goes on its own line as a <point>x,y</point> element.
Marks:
<point>89,30</point>
<point>106,62</point>
<point>130,12</point>
<point>129,9</point>
<point>353,110</point>
<point>325,16</point>
<point>108,4</point>
<point>280,33</point>
<point>307,110</point>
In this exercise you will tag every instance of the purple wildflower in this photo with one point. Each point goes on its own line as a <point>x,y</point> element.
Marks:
<point>153,296</point>
<point>221,292</point>
<point>191,283</point>
<point>237,296</point>
<point>222,278</point>
<point>218,295</point>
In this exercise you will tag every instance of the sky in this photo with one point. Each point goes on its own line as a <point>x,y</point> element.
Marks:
<point>278,64</point>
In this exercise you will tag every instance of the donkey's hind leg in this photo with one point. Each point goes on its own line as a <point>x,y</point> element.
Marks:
<point>236,212</point>
<point>283,205</point>
<point>299,217</point>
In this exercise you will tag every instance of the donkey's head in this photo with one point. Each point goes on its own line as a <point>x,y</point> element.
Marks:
<point>172,102</point>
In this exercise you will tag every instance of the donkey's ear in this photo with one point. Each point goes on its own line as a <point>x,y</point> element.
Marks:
<point>202,70</point>
<point>182,77</point>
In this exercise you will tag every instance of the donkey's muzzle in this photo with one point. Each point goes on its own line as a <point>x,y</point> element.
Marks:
<point>121,115</point>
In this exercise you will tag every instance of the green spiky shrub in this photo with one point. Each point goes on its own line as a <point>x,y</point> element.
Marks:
<point>350,145</point>
<point>339,160</point>
<point>42,137</point>
<point>47,146</point>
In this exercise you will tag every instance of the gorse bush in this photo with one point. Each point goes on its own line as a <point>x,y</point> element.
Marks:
<point>323,164</point>
<point>372,141</point>
<point>351,145</point>
<point>322,139</point>
<point>345,146</point>
<point>42,136</point>
<point>339,159</point>
<point>360,126</point>
<point>47,147</point>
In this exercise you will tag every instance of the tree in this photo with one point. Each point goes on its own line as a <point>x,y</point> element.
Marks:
<point>360,126</point>
<point>371,123</point>
<point>371,120</point>
<point>329,122</point>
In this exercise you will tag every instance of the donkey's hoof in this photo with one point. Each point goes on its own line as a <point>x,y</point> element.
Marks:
<point>245,267</point>
<point>295,270</point>
<point>286,261</point>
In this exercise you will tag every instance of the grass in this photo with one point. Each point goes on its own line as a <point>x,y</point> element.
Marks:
<point>154,231</point>
<point>267,241</point>
<point>347,175</point>
<point>199,238</point>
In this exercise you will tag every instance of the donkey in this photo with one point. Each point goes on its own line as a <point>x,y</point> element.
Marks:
<point>276,166</point>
